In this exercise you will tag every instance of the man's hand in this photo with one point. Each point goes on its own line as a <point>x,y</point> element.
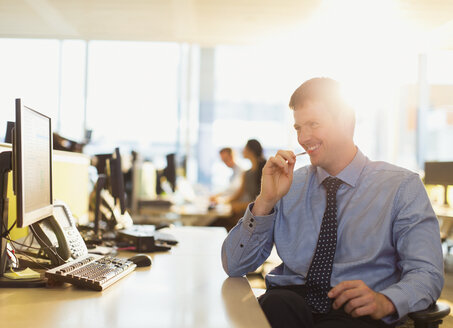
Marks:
<point>359,300</point>
<point>275,182</point>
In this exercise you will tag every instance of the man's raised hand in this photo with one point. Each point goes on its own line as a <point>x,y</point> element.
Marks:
<point>275,182</point>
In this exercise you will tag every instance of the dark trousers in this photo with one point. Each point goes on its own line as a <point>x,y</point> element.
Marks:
<point>286,307</point>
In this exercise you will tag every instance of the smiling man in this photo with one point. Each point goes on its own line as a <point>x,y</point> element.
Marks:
<point>359,240</point>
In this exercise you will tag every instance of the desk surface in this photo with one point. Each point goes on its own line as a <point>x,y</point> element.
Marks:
<point>188,215</point>
<point>185,287</point>
<point>443,211</point>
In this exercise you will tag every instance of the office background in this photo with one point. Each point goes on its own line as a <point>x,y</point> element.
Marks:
<point>191,77</point>
<point>179,76</point>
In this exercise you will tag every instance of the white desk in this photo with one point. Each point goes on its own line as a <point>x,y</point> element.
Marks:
<point>445,215</point>
<point>443,211</point>
<point>185,287</point>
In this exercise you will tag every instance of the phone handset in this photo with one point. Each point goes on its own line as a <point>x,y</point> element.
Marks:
<point>58,235</point>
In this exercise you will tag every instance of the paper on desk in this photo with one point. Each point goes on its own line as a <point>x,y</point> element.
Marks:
<point>24,274</point>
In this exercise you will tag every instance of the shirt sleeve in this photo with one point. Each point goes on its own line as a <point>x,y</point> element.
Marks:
<point>248,244</point>
<point>416,237</point>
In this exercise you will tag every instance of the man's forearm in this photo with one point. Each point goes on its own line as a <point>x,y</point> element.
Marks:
<point>261,207</point>
<point>241,253</point>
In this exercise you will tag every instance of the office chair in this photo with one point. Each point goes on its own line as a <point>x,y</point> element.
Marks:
<point>429,318</point>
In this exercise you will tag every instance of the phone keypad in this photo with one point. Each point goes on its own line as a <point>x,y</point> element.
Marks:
<point>76,244</point>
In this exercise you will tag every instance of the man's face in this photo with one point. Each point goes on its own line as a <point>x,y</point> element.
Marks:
<point>227,159</point>
<point>323,135</point>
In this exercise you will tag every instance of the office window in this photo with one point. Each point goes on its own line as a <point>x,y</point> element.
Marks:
<point>72,92</point>
<point>252,89</point>
<point>29,70</point>
<point>253,86</point>
<point>440,113</point>
<point>251,94</point>
<point>132,99</point>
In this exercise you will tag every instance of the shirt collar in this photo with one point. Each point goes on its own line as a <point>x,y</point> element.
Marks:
<point>350,174</point>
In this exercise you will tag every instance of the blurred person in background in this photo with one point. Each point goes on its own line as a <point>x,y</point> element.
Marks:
<point>227,156</point>
<point>250,184</point>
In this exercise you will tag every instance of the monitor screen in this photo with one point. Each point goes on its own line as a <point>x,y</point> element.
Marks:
<point>9,132</point>
<point>170,171</point>
<point>32,165</point>
<point>101,161</point>
<point>439,173</point>
<point>116,179</point>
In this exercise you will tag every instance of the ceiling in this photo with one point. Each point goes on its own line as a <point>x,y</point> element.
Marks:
<point>207,22</point>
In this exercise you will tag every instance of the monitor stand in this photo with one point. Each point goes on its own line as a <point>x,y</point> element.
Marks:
<point>446,195</point>
<point>100,184</point>
<point>5,168</point>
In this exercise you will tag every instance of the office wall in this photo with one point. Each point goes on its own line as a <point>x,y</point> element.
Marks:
<point>71,182</point>
<point>438,123</point>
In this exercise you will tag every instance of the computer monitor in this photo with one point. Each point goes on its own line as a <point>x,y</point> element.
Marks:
<point>9,132</point>
<point>101,162</point>
<point>115,179</point>
<point>32,165</point>
<point>170,171</point>
<point>439,173</point>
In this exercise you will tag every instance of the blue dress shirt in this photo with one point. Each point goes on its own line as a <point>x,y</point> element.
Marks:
<point>388,234</point>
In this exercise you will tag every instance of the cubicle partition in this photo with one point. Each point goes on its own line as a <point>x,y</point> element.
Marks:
<point>70,185</point>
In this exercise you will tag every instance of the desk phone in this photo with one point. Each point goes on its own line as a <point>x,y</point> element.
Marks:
<point>59,237</point>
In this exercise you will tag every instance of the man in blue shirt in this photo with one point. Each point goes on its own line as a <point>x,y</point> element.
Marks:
<point>386,259</point>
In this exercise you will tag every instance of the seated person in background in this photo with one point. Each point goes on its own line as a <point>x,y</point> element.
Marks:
<point>359,240</point>
<point>228,158</point>
<point>250,184</point>
<point>251,179</point>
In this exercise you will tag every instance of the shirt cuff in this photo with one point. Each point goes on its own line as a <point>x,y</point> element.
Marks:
<point>396,296</point>
<point>258,224</point>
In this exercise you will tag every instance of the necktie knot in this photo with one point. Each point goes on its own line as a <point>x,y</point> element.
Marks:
<point>332,184</point>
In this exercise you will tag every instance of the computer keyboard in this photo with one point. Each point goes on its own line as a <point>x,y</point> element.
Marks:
<point>92,271</point>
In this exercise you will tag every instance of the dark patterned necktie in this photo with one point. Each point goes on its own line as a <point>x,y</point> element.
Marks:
<point>318,277</point>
